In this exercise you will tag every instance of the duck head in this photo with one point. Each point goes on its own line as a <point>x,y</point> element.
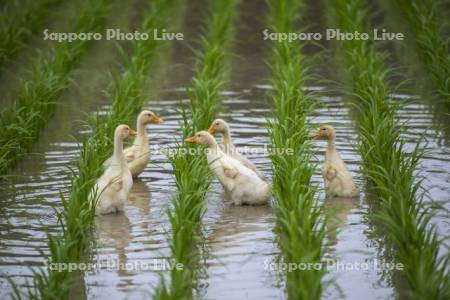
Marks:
<point>201,138</point>
<point>220,126</point>
<point>326,132</point>
<point>124,131</point>
<point>148,117</point>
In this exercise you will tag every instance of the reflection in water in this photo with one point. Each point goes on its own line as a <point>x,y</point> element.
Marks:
<point>140,198</point>
<point>242,237</point>
<point>78,289</point>
<point>336,211</point>
<point>115,230</point>
<point>240,241</point>
<point>235,220</point>
<point>386,249</point>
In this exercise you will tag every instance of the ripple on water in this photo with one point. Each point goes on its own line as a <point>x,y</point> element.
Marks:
<point>241,239</point>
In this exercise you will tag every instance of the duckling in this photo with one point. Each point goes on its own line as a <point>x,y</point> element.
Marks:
<point>241,183</point>
<point>338,180</point>
<point>138,154</point>
<point>113,186</point>
<point>220,126</point>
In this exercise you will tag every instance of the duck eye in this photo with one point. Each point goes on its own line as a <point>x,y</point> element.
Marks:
<point>217,124</point>
<point>323,129</point>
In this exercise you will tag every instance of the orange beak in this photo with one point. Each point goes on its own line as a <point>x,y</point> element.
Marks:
<point>191,139</point>
<point>315,134</point>
<point>156,120</point>
<point>212,130</point>
<point>133,132</point>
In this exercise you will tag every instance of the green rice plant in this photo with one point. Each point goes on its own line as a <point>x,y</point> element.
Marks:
<point>191,171</point>
<point>21,123</point>
<point>300,224</point>
<point>185,216</point>
<point>390,168</point>
<point>422,18</point>
<point>76,217</point>
<point>19,21</point>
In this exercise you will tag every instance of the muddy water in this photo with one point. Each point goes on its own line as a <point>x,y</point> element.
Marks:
<point>241,240</point>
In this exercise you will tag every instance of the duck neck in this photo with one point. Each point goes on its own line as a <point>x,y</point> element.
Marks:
<point>118,157</point>
<point>141,138</point>
<point>331,147</point>
<point>214,149</point>
<point>226,140</point>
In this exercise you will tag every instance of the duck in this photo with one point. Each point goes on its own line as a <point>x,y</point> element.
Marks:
<point>221,126</point>
<point>337,178</point>
<point>243,185</point>
<point>138,154</point>
<point>112,188</point>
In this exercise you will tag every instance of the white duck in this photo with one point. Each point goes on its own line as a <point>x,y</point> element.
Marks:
<point>113,186</point>
<point>138,154</point>
<point>241,183</point>
<point>220,126</point>
<point>338,180</point>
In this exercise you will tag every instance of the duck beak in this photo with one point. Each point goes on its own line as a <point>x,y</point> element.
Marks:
<point>191,140</point>
<point>156,120</point>
<point>212,130</point>
<point>315,134</point>
<point>133,132</point>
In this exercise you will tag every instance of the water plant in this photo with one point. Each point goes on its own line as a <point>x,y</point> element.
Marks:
<point>76,217</point>
<point>21,122</point>
<point>422,18</point>
<point>300,225</point>
<point>19,21</point>
<point>390,166</point>
<point>192,176</point>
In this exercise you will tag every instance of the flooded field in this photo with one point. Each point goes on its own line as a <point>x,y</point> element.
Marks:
<point>240,240</point>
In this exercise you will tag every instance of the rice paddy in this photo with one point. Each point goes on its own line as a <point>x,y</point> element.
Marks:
<point>179,229</point>
<point>423,20</point>
<point>391,168</point>
<point>300,226</point>
<point>19,23</point>
<point>78,211</point>
<point>22,121</point>
<point>192,176</point>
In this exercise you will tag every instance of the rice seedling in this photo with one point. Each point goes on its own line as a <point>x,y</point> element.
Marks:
<point>20,20</point>
<point>192,176</point>
<point>390,167</point>
<point>76,217</point>
<point>300,224</point>
<point>422,18</point>
<point>22,122</point>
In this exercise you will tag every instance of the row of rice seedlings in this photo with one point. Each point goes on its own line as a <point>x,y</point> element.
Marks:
<point>300,224</point>
<point>191,171</point>
<point>21,122</point>
<point>20,20</point>
<point>76,218</point>
<point>422,18</point>
<point>391,167</point>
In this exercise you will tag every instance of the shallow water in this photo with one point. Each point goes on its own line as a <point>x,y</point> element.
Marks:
<point>240,240</point>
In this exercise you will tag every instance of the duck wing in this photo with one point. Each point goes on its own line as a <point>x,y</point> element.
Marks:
<point>228,169</point>
<point>331,173</point>
<point>248,163</point>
